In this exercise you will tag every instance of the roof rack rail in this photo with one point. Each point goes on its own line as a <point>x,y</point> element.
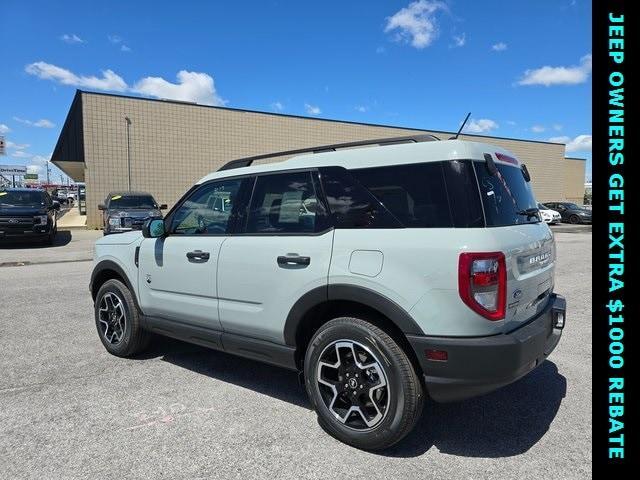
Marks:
<point>247,161</point>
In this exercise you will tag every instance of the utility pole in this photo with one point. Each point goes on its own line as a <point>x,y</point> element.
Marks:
<point>48,172</point>
<point>128,120</point>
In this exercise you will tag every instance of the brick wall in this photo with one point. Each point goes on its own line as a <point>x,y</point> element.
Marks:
<point>173,145</point>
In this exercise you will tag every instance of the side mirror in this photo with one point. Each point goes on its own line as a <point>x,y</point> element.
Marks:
<point>163,206</point>
<point>56,205</point>
<point>153,228</point>
<point>101,206</point>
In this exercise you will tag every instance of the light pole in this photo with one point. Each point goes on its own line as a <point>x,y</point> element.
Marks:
<point>128,120</point>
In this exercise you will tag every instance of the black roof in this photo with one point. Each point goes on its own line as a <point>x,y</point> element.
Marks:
<point>275,114</point>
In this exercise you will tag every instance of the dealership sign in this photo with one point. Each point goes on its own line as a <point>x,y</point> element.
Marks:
<point>13,169</point>
<point>30,176</point>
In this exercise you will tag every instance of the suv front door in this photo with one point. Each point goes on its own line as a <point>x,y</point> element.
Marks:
<point>283,251</point>
<point>177,273</point>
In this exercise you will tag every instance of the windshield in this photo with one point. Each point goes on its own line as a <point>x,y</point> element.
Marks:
<point>543,207</point>
<point>132,201</point>
<point>572,206</point>
<point>507,198</point>
<point>22,198</point>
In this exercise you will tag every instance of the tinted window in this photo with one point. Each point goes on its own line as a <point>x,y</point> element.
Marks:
<point>415,194</point>
<point>350,204</point>
<point>208,210</point>
<point>132,201</point>
<point>464,197</point>
<point>283,203</point>
<point>506,196</point>
<point>23,198</point>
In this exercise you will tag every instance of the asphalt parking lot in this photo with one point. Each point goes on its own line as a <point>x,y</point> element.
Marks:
<point>70,410</point>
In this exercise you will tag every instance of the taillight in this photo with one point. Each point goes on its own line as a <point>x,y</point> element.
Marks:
<point>482,283</point>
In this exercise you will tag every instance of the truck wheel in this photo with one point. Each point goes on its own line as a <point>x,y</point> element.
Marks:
<point>118,320</point>
<point>363,386</point>
<point>52,235</point>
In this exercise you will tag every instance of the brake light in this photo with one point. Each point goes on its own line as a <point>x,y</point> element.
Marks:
<point>506,158</point>
<point>482,283</point>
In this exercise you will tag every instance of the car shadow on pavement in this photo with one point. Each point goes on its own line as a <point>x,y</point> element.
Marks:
<point>63,237</point>
<point>275,382</point>
<point>504,423</point>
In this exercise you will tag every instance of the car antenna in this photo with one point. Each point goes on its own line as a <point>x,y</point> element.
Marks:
<point>461,127</point>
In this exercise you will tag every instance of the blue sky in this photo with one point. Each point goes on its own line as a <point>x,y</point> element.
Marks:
<point>522,68</point>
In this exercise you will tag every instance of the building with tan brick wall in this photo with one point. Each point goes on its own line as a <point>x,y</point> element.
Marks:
<point>574,188</point>
<point>172,144</point>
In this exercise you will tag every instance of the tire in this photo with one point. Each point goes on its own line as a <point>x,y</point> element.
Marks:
<point>574,219</point>
<point>121,336</point>
<point>398,403</point>
<point>52,236</point>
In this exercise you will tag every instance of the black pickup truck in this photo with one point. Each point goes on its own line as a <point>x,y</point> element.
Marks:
<point>28,213</point>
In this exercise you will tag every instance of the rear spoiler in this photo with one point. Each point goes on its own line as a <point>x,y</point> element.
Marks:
<point>493,169</point>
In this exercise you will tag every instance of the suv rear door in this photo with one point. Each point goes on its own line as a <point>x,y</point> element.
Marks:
<point>282,252</point>
<point>526,241</point>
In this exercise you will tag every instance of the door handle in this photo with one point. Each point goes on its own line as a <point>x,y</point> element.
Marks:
<point>198,255</point>
<point>293,260</point>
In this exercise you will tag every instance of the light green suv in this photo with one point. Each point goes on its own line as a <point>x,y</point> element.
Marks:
<point>384,272</point>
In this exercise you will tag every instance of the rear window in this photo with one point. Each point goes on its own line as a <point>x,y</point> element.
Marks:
<point>507,198</point>
<point>426,195</point>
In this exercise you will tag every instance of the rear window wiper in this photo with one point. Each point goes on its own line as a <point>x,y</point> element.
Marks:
<point>529,212</point>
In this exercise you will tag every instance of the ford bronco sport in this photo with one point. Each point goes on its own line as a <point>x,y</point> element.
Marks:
<point>385,274</point>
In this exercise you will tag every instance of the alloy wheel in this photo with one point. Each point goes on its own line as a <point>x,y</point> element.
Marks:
<point>112,318</point>
<point>353,384</point>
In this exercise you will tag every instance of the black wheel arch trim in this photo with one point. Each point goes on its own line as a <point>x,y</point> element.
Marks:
<point>111,265</point>
<point>353,293</point>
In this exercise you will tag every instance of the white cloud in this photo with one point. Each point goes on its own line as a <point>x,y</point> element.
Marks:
<point>312,109</point>
<point>277,106</point>
<point>73,38</point>
<point>499,47</point>
<point>125,48</point>
<point>538,128</point>
<point>511,122</point>
<point>21,154</point>
<point>42,123</point>
<point>17,146</point>
<point>115,39</point>
<point>416,24</point>
<point>34,168</point>
<point>459,40</point>
<point>482,125</point>
<point>47,71</point>
<point>581,143</point>
<point>191,86</point>
<point>380,50</point>
<point>4,128</point>
<point>40,160</point>
<point>557,127</point>
<point>362,108</point>
<point>558,75</point>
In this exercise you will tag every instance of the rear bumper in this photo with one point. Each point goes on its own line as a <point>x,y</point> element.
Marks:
<point>476,366</point>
